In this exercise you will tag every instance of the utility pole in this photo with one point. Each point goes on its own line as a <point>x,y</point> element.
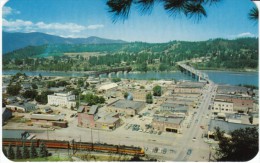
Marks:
<point>47,134</point>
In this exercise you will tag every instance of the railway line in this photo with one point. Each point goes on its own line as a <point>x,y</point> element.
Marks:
<point>74,146</point>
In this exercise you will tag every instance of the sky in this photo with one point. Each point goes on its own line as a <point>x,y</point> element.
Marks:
<point>84,18</point>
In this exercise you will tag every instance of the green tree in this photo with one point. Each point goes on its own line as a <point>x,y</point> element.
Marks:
<point>189,8</point>
<point>43,97</point>
<point>34,86</point>
<point>42,150</point>
<point>40,75</point>
<point>51,84</point>
<point>157,90</point>
<point>10,152</point>
<point>4,151</point>
<point>149,98</point>
<point>115,80</point>
<point>33,152</point>
<point>30,94</point>
<point>163,67</point>
<point>253,14</point>
<point>86,85</point>
<point>14,89</point>
<point>25,152</point>
<point>93,99</point>
<point>241,146</point>
<point>18,153</point>
<point>126,95</point>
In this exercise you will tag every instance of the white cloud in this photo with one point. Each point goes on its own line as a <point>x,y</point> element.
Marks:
<point>9,11</point>
<point>60,29</point>
<point>70,27</point>
<point>246,34</point>
<point>95,26</point>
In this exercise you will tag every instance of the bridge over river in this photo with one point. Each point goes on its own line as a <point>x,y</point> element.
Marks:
<point>197,74</point>
<point>112,70</point>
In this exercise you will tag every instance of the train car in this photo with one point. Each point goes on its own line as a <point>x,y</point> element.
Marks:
<point>55,144</point>
<point>105,148</point>
<point>82,146</point>
<point>130,150</point>
<point>20,142</point>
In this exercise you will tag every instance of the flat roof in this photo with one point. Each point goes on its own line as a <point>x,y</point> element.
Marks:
<point>107,119</point>
<point>93,109</point>
<point>190,85</point>
<point>47,117</point>
<point>176,120</point>
<point>231,88</point>
<point>228,127</point>
<point>127,104</point>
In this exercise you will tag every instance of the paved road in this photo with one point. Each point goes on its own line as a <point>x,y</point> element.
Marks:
<point>191,142</point>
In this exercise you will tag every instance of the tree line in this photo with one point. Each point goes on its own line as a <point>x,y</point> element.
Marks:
<point>215,54</point>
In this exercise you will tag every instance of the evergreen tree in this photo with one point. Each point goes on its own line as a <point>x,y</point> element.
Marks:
<point>4,151</point>
<point>18,153</point>
<point>10,152</point>
<point>157,90</point>
<point>33,152</point>
<point>241,146</point>
<point>149,98</point>
<point>43,151</point>
<point>25,152</point>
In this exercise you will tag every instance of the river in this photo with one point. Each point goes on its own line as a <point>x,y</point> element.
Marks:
<point>219,77</point>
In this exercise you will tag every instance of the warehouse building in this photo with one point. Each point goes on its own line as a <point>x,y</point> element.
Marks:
<point>126,107</point>
<point>166,124</point>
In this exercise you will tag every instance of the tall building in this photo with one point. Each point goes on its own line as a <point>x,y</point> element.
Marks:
<point>62,99</point>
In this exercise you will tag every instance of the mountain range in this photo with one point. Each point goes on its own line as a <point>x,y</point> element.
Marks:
<point>13,41</point>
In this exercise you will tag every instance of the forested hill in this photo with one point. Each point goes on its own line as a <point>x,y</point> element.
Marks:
<point>212,54</point>
<point>14,41</point>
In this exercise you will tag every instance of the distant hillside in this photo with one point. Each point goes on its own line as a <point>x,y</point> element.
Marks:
<point>13,41</point>
<point>224,54</point>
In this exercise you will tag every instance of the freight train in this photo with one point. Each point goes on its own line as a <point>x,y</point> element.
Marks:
<point>73,145</point>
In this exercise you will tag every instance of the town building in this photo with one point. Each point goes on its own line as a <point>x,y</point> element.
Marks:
<point>235,90</point>
<point>189,87</point>
<point>225,126</point>
<point>106,87</point>
<point>47,119</point>
<point>87,116</point>
<point>175,109</point>
<point>126,107</point>
<point>222,106</point>
<point>140,94</point>
<point>109,122</point>
<point>166,124</point>
<point>62,99</point>
<point>240,103</point>
<point>22,107</point>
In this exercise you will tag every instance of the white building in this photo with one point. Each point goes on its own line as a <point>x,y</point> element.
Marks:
<point>62,99</point>
<point>106,87</point>
<point>223,106</point>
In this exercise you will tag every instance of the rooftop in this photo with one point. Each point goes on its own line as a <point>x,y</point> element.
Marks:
<point>107,119</point>
<point>228,127</point>
<point>190,85</point>
<point>107,86</point>
<point>231,89</point>
<point>168,120</point>
<point>47,117</point>
<point>127,104</point>
<point>93,109</point>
